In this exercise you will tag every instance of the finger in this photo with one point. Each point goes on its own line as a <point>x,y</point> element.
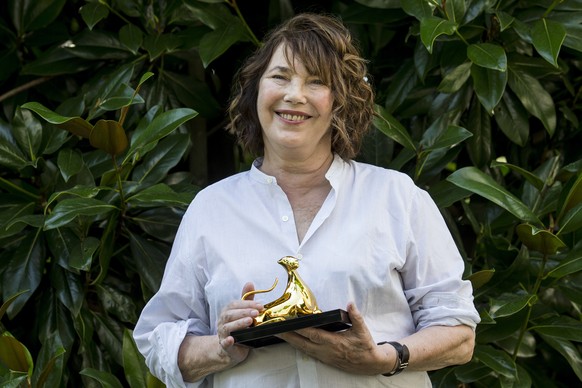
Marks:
<point>247,288</point>
<point>356,317</point>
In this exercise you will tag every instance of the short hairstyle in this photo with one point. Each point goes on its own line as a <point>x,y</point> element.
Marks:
<point>325,47</point>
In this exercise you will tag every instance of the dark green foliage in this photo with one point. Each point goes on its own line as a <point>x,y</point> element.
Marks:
<point>477,100</point>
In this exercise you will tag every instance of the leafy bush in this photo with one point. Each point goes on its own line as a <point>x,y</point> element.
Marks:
<point>480,106</point>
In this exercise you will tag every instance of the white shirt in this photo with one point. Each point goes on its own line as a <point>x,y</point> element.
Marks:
<point>378,240</point>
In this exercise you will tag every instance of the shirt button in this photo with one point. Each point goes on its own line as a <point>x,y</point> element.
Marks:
<point>269,180</point>
<point>285,218</point>
<point>299,256</point>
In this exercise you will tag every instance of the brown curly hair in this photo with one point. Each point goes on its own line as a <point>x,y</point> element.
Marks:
<point>325,47</point>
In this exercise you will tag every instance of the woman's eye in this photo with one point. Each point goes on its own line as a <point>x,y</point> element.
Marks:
<point>279,76</point>
<point>317,82</point>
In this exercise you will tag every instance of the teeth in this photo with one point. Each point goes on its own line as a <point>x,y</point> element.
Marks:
<point>293,117</point>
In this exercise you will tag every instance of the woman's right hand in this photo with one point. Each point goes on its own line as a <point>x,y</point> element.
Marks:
<point>236,315</point>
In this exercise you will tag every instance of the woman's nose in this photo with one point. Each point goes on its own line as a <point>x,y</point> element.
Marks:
<point>294,93</point>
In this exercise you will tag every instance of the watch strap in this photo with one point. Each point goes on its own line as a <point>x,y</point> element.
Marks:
<point>402,357</point>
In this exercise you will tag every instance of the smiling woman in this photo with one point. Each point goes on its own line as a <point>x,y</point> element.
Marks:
<point>302,104</point>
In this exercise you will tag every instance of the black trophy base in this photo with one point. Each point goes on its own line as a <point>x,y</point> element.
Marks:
<point>262,335</point>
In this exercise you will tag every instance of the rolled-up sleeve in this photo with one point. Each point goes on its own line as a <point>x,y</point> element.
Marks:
<point>432,275</point>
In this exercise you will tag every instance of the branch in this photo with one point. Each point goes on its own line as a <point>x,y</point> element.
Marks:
<point>23,87</point>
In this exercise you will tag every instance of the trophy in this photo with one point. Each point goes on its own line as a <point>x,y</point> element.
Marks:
<point>295,309</point>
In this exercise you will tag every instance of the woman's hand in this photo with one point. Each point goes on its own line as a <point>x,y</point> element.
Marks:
<point>236,315</point>
<point>352,350</point>
<point>200,356</point>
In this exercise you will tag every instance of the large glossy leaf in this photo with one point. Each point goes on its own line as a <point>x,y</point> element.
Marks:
<point>24,271</point>
<point>454,80</point>
<point>534,98</point>
<point>191,92</point>
<point>10,154</point>
<point>68,288</point>
<point>512,118</point>
<point>509,304</point>
<point>50,363</point>
<point>160,160</point>
<point>32,15</point>
<point>392,128</point>
<point>69,209</point>
<point>417,8</point>
<point>106,379</point>
<point>131,37</point>
<point>150,260</point>
<point>98,45</point>
<point>530,177</point>
<point>133,362</point>
<point>9,301</point>
<point>157,45</point>
<point>55,62</point>
<point>572,198</point>
<point>109,136</point>
<point>70,163</point>
<point>562,327</point>
<point>11,216</point>
<point>488,55</point>
<point>479,145</point>
<point>499,361</point>
<point>75,125</point>
<point>110,333</point>
<point>572,263</point>
<point>161,126</point>
<point>450,137</point>
<point>161,223</point>
<point>93,13</point>
<point>572,221</point>
<point>116,303</point>
<point>400,86</point>
<point>476,181</point>
<point>539,239</point>
<point>569,351</point>
<point>455,10</point>
<point>432,27</point>
<point>28,133</point>
<point>489,85</point>
<point>160,195</point>
<point>479,279</point>
<point>547,37</point>
<point>123,96</point>
<point>14,355</point>
<point>215,43</point>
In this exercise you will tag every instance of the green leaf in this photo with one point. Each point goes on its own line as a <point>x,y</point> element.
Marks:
<point>107,379</point>
<point>157,45</point>
<point>569,351</point>
<point>131,37</point>
<point>93,13</point>
<point>455,10</point>
<point>192,92</point>
<point>70,163</point>
<point>11,218</point>
<point>161,223</point>
<point>14,354</point>
<point>117,303</point>
<point>9,301</point>
<point>488,55</point>
<point>10,154</point>
<point>160,195</point>
<point>534,98</point>
<point>571,264</point>
<point>75,125</point>
<point>531,178</point>
<point>539,240</point>
<point>133,362</point>
<point>24,271</point>
<point>49,366</point>
<point>572,221</point>
<point>109,136</point>
<point>150,260</point>
<point>474,180</point>
<point>68,289</point>
<point>450,137</point>
<point>392,128</point>
<point>418,8</point>
<point>505,19</point>
<point>489,86</point>
<point>69,209</point>
<point>512,118</point>
<point>401,86</point>
<point>56,61</point>
<point>561,327</point>
<point>547,37</point>
<point>454,80</point>
<point>479,279</point>
<point>432,27</point>
<point>123,96</point>
<point>215,43</point>
<point>161,126</point>
<point>158,162</point>
<point>499,361</point>
<point>479,146</point>
<point>32,15</point>
<point>573,198</point>
<point>509,304</point>
<point>28,133</point>
<point>98,45</point>
<point>110,333</point>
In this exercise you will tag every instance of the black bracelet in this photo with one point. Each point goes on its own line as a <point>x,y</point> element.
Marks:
<point>401,360</point>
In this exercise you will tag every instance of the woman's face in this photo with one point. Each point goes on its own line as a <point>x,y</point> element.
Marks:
<point>294,109</point>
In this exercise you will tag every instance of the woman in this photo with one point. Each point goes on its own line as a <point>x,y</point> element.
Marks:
<point>367,238</point>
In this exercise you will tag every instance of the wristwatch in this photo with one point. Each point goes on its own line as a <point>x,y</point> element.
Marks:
<point>401,359</point>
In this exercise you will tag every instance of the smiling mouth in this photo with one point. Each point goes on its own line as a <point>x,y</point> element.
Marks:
<point>291,117</point>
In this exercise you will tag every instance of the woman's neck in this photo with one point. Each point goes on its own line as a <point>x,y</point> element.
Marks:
<point>297,174</point>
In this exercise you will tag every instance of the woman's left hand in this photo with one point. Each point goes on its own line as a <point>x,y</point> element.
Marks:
<point>352,350</point>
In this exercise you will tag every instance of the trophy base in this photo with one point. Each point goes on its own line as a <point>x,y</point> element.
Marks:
<point>262,335</point>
